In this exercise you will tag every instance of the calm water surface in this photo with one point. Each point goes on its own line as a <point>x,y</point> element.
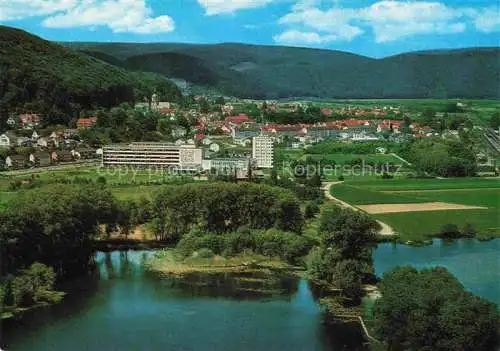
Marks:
<point>476,264</point>
<point>127,308</point>
<point>122,307</point>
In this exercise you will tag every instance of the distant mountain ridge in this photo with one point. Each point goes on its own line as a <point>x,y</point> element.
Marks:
<point>258,71</point>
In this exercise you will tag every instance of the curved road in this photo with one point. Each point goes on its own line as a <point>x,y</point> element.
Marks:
<point>386,229</point>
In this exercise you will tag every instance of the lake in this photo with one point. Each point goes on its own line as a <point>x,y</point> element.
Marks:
<point>476,264</point>
<point>124,307</point>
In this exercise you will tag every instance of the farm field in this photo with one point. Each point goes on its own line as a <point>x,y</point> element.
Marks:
<point>412,104</point>
<point>423,225</point>
<point>405,184</point>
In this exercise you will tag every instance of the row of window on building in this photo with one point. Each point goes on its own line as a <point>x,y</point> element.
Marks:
<point>185,157</point>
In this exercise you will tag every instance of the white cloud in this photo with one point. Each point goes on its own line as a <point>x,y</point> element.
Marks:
<point>19,9</point>
<point>295,36</point>
<point>388,20</point>
<point>393,20</point>
<point>487,20</point>
<point>215,7</point>
<point>334,22</point>
<point>132,16</point>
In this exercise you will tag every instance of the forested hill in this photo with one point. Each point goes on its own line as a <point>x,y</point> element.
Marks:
<point>280,72</point>
<point>40,76</point>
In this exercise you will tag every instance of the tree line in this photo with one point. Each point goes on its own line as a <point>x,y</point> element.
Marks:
<point>343,257</point>
<point>430,310</point>
<point>47,233</point>
<point>223,207</point>
<point>441,157</point>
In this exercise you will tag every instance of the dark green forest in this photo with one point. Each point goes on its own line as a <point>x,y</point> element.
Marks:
<point>282,72</point>
<point>48,78</point>
<point>431,310</point>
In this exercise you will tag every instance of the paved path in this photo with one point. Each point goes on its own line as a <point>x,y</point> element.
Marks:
<point>401,159</point>
<point>385,228</point>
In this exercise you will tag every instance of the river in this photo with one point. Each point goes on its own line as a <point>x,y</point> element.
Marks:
<point>123,307</point>
<point>476,264</point>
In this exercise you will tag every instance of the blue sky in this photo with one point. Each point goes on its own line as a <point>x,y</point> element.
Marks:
<point>369,27</point>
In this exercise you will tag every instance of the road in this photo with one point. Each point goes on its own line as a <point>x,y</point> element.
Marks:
<point>385,230</point>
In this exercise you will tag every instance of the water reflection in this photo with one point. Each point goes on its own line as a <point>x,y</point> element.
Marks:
<point>244,286</point>
<point>123,307</point>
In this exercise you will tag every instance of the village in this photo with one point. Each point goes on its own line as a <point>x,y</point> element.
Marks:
<point>223,132</point>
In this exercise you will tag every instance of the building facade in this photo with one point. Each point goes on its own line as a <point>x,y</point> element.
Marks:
<point>183,157</point>
<point>263,151</point>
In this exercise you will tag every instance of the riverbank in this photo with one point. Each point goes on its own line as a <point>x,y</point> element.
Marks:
<point>168,262</point>
<point>123,306</point>
<point>107,245</point>
<point>257,269</point>
<point>11,312</point>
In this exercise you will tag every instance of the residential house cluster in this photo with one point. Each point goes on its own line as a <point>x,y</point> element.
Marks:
<point>242,129</point>
<point>40,151</point>
<point>376,111</point>
<point>29,120</point>
<point>44,158</point>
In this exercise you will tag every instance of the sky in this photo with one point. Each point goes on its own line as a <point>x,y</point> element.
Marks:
<point>368,27</point>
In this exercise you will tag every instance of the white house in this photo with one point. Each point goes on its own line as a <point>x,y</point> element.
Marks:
<point>35,135</point>
<point>42,142</point>
<point>22,141</point>
<point>243,142</point>
<point>11,122</point>
<point>5,141</point>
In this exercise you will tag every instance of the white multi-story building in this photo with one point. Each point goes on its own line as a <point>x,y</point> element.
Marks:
<point>153,155</point>
<point>263,151</point>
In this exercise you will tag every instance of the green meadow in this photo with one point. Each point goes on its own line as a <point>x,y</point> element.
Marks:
<point>348,158</point>
<point>355,195</point>
<point>427,224</point>
<point>405,184</point>
<point>124,184</point>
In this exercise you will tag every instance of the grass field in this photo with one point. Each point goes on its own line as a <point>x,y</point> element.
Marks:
<point>362,196</point>
<point>112,175</point>
<point>410,104</point>
<point>125,185</point>
<point>405,184</point>
<point>424,225</point>
<point>346,158</point>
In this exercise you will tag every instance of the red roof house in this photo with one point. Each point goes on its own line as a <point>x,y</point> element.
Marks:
<point>240,119</point>
<point>29,120</point>
<point>167,111</point>
<point>86,122</point>
<point>326,112</point>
